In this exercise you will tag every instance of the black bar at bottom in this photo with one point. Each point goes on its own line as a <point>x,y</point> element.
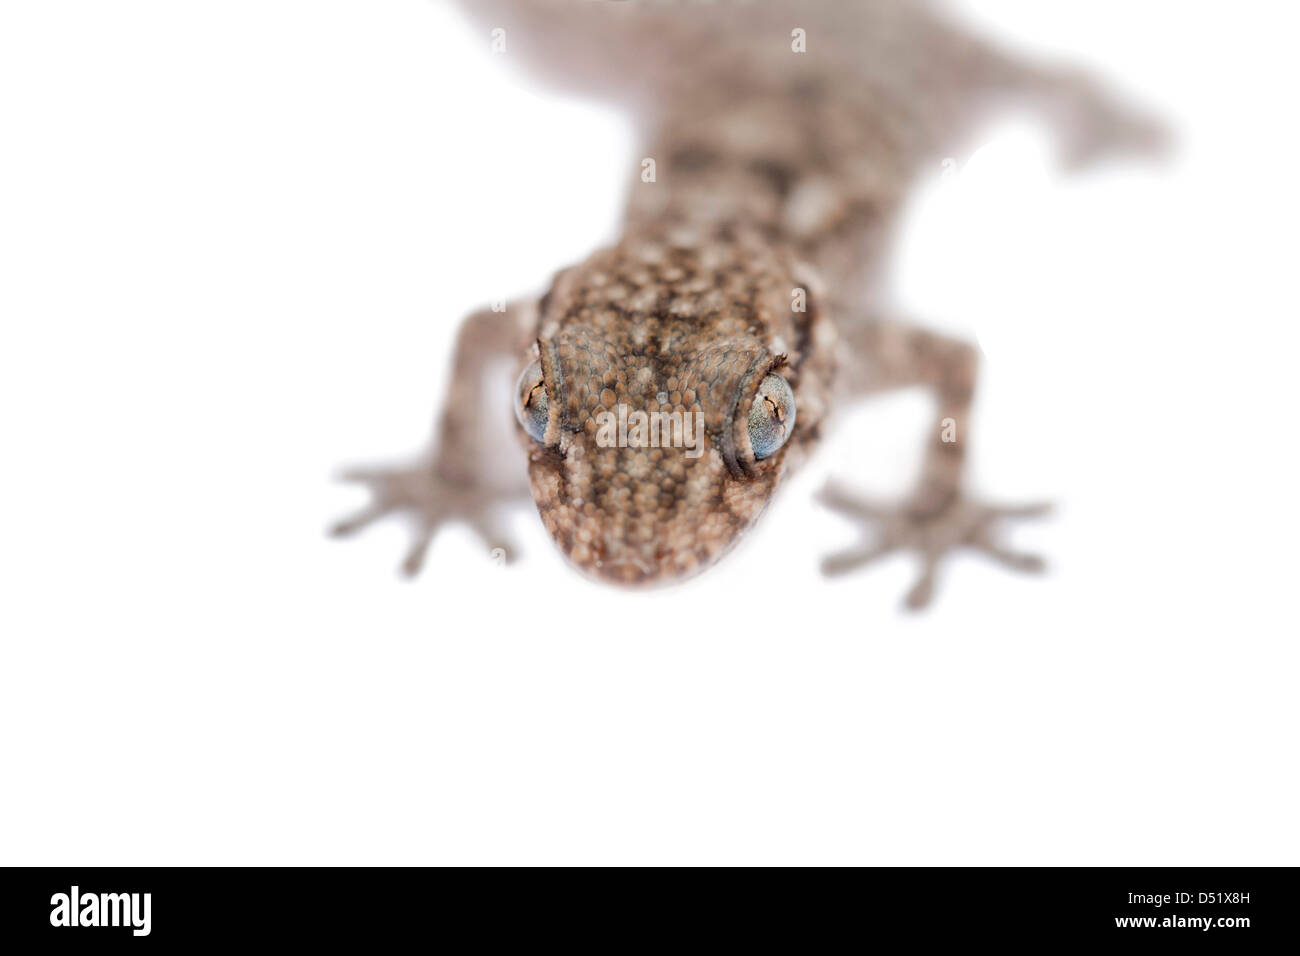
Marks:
<point>1233,908</point>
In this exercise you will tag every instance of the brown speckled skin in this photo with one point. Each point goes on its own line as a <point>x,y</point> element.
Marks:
<point>678,317</point>
<point>776,170</point>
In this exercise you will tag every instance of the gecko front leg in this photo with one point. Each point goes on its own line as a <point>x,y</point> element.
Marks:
<point>938,517</point>
<point>467,475</point>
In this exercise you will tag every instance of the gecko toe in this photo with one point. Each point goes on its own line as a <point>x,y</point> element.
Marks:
<point>1015,560</point>
<point>354,523</point>
<point>413,563</point>
<point>839,498</point>
<point>922,592</point>
<point>843,562</point>
<point>1037,509</point>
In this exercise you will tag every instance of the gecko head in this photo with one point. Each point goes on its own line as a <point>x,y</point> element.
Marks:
<point>648,468</point>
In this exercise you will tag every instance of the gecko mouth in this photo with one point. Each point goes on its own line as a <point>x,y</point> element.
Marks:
<point>642,516</point>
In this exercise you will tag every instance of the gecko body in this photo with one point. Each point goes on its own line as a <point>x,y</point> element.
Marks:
<point>744,291</point>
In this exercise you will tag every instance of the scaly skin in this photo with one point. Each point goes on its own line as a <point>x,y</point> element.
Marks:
<point>755,248</point>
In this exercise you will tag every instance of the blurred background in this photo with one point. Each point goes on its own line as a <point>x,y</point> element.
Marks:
<point>235,242</point>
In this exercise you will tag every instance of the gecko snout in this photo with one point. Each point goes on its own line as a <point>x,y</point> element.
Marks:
<point>630,478</point>
<point>643,516</point>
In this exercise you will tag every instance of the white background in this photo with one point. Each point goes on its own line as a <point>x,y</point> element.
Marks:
<point>235,239</point>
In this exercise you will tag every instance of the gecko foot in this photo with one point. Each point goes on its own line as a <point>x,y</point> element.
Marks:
<point>430,501</point>
<point>933,532</point>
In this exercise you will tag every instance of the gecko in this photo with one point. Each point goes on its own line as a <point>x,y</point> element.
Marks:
<point>744,292</point>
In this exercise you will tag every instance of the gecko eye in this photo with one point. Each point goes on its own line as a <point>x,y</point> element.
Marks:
<point>532,404</point>
<point>771,417</point>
